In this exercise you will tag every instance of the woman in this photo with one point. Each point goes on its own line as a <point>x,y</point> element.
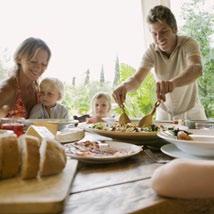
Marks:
<point>20,91</point>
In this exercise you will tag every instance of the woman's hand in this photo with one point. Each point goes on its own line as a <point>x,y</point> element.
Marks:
<point>4,111</point>
<point>119,95</point>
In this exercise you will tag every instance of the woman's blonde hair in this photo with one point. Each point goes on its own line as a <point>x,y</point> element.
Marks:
<point>98,96</point>
<point>53,83</point>
<point>28,49</point>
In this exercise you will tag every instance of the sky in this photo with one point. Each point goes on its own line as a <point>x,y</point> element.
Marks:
<point>81,34</point>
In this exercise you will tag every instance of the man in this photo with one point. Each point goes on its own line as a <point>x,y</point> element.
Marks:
<point>177,64</point>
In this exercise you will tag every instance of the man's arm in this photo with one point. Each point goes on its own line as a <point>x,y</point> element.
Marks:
<point>135,81</point>
<point>191,73</point>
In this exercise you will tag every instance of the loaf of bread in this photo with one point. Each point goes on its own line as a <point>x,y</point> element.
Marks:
<point>9,156</point>
<point>29,147</point>
<point>29,156</point>
<point>52,158</point>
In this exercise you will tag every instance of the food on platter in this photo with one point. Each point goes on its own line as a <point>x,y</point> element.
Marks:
<point>94,149</point>
<point>176,133</point>
<point>129,127</point>
<point>181,135</point>
<point>70,135</point>
<point>29,156</point>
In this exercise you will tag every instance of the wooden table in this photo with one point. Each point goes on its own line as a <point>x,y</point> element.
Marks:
<point>124,187</point>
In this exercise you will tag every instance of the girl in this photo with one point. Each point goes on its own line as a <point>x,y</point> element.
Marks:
<point>101,107</point>
<point>20,91</point>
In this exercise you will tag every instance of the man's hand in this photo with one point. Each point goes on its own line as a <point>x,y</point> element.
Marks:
<point>164,87</point>
<point>119,95</point>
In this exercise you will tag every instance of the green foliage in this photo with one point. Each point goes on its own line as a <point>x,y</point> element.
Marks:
<point>78,99</point>
<point>140,101</point>
<point>2,72</point>
<point>199,25</point>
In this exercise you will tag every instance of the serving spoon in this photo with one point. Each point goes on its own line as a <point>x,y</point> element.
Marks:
<point>146,121</point>
<point>123,119</point>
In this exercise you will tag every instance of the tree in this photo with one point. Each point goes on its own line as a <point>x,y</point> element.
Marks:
<point>102,76</point>
<point>199,25</point>
<point>117,72</point>
<point>74,81</point>
<point>2,72</point>
<point>140,101</point>
<point>5,58</point>
<point>87,77</point>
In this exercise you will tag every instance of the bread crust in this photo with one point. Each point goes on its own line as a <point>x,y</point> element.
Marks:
<point>30,156</point>
<point>53,158</point>
<point>10,157</point>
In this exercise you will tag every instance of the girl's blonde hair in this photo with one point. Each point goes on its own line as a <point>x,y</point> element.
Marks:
<point>98,96</point>
<point>53,83</point>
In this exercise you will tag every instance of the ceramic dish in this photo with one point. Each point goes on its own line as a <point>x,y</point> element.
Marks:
<point>201,145</point>
<point>143,135</point>
<point>172,151</point>
<point>128,150</point>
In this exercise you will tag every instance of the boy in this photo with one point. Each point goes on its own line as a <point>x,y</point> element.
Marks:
<point>51,91</point>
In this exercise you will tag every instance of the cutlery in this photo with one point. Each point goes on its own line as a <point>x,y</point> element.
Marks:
<point>124,119</point>
<point>146,121</point>
<point>157,158</point>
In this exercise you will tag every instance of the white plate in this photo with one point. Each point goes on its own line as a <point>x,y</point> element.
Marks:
<point>201,145</point>
<point>115,145</point>
<point>173,151</point>
<point>60,122</point>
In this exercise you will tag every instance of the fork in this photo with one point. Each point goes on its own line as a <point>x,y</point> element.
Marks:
<point>154,158</point>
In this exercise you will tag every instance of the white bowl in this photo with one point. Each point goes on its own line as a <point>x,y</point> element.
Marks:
<point>201,145</point>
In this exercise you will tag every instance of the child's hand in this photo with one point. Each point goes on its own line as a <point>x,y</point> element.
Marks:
<point>91,120</point>
<point>94,120</point>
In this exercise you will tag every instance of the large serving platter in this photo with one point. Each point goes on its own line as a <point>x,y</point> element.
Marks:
<point>201,144</point>
<point>143,135</point>
<point>128,149</point>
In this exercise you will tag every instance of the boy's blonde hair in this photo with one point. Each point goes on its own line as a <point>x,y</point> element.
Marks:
<point>98,96</point>
<point>53,83</point>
